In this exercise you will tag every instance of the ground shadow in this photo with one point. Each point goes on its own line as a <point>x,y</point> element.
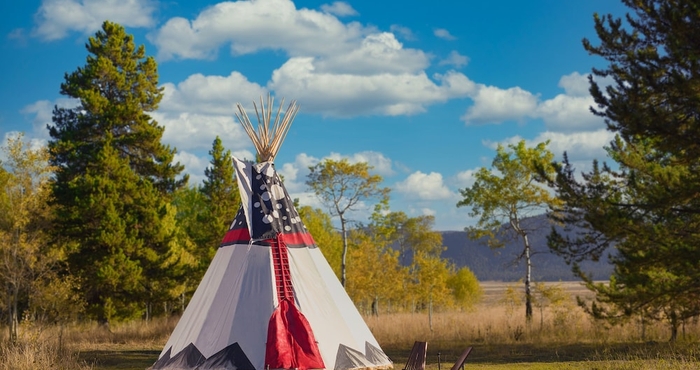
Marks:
<point>120,359</point>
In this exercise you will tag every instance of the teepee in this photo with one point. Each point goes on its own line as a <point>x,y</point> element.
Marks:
<point>269,299</point>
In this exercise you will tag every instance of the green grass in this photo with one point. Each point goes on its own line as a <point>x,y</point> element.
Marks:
<point>128,359</point>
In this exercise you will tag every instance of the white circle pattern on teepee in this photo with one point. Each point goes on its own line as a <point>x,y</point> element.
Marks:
<point>278,215</point>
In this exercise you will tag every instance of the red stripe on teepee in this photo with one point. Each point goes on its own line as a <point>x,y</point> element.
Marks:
<point>299,239</point>
<point>242,236</point>
<point>237,236</point>
<point>290,342</point>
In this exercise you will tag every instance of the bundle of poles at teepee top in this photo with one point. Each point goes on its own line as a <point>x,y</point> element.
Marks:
<point>270,134</point>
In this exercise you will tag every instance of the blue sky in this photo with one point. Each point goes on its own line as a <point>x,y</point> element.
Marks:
<point>423,91</point>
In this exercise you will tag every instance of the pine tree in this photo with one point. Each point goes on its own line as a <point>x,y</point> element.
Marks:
<point>648,208</point>
<point>114,180</point>
<point>221,193</point>
<point>117,88</point>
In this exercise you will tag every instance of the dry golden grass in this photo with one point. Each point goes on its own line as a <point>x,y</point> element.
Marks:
<point>39,355</point>
<point>559,336</point>
<point>494,321</point>
<point>39,349</point>
<point>85,345</point>
<point>135,334</point>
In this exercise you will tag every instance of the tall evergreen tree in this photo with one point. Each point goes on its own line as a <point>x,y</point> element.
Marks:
<point>221,193</point>
<point>648,208</point>
<point>192,210</point>
<point>114,179</point>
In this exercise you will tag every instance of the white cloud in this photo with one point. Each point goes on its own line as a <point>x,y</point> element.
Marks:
<point>465,179</point>
<point>209,94</point>
<point>352,95</point>
<point>249,26</point>
<point>402,31</point>
<point>243,154</point>
<point>428,212</point>
<point>339,8</point>
<point>424,186</point>
<point>575,84</point>
<point>581,147</point>
<point>18,35</point>
<point>569,113</point>
<point>381,164</point>
<point>194,166</point>
<point>31,143</point>
<point>495,105</point>
<point>197,109</point>
<point>55,18</point>
<point>456,84</point>
<point>513,140</point>
<point>42,110</point>
<point>335,69</point>
<point>377,53</point>
<point>289,171</point>
<point>455,59</point>
<point>443,34</point>
<point>307,198</point>
<point>192,131</point>
<point>295,173</point>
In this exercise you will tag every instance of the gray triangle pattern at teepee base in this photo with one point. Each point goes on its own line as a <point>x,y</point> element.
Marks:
<point>163,360</point>
<point>229,358</point>
<point>375,355</point>
<point>348,358</point>
<point>189,358</point>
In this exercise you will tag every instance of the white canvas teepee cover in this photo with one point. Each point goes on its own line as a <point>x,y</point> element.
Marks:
<point>269,299</point>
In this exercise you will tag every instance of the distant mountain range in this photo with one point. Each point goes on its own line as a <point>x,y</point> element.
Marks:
<point>501,265</point>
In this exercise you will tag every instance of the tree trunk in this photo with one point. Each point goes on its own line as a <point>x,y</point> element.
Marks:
<point>430,313</point>
<point>345,251</point>
<point>528,278</point>
<point>13,314</point>
<point>673,318</point>
<point>375,306</point>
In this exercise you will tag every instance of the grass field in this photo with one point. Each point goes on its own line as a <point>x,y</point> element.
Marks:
<point>560,336</point>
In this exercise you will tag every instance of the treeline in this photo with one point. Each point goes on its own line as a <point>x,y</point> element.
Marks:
<point>103,225</point>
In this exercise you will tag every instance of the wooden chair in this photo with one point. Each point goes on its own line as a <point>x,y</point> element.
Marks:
<point>462,359</point>
<point>416,359</point>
